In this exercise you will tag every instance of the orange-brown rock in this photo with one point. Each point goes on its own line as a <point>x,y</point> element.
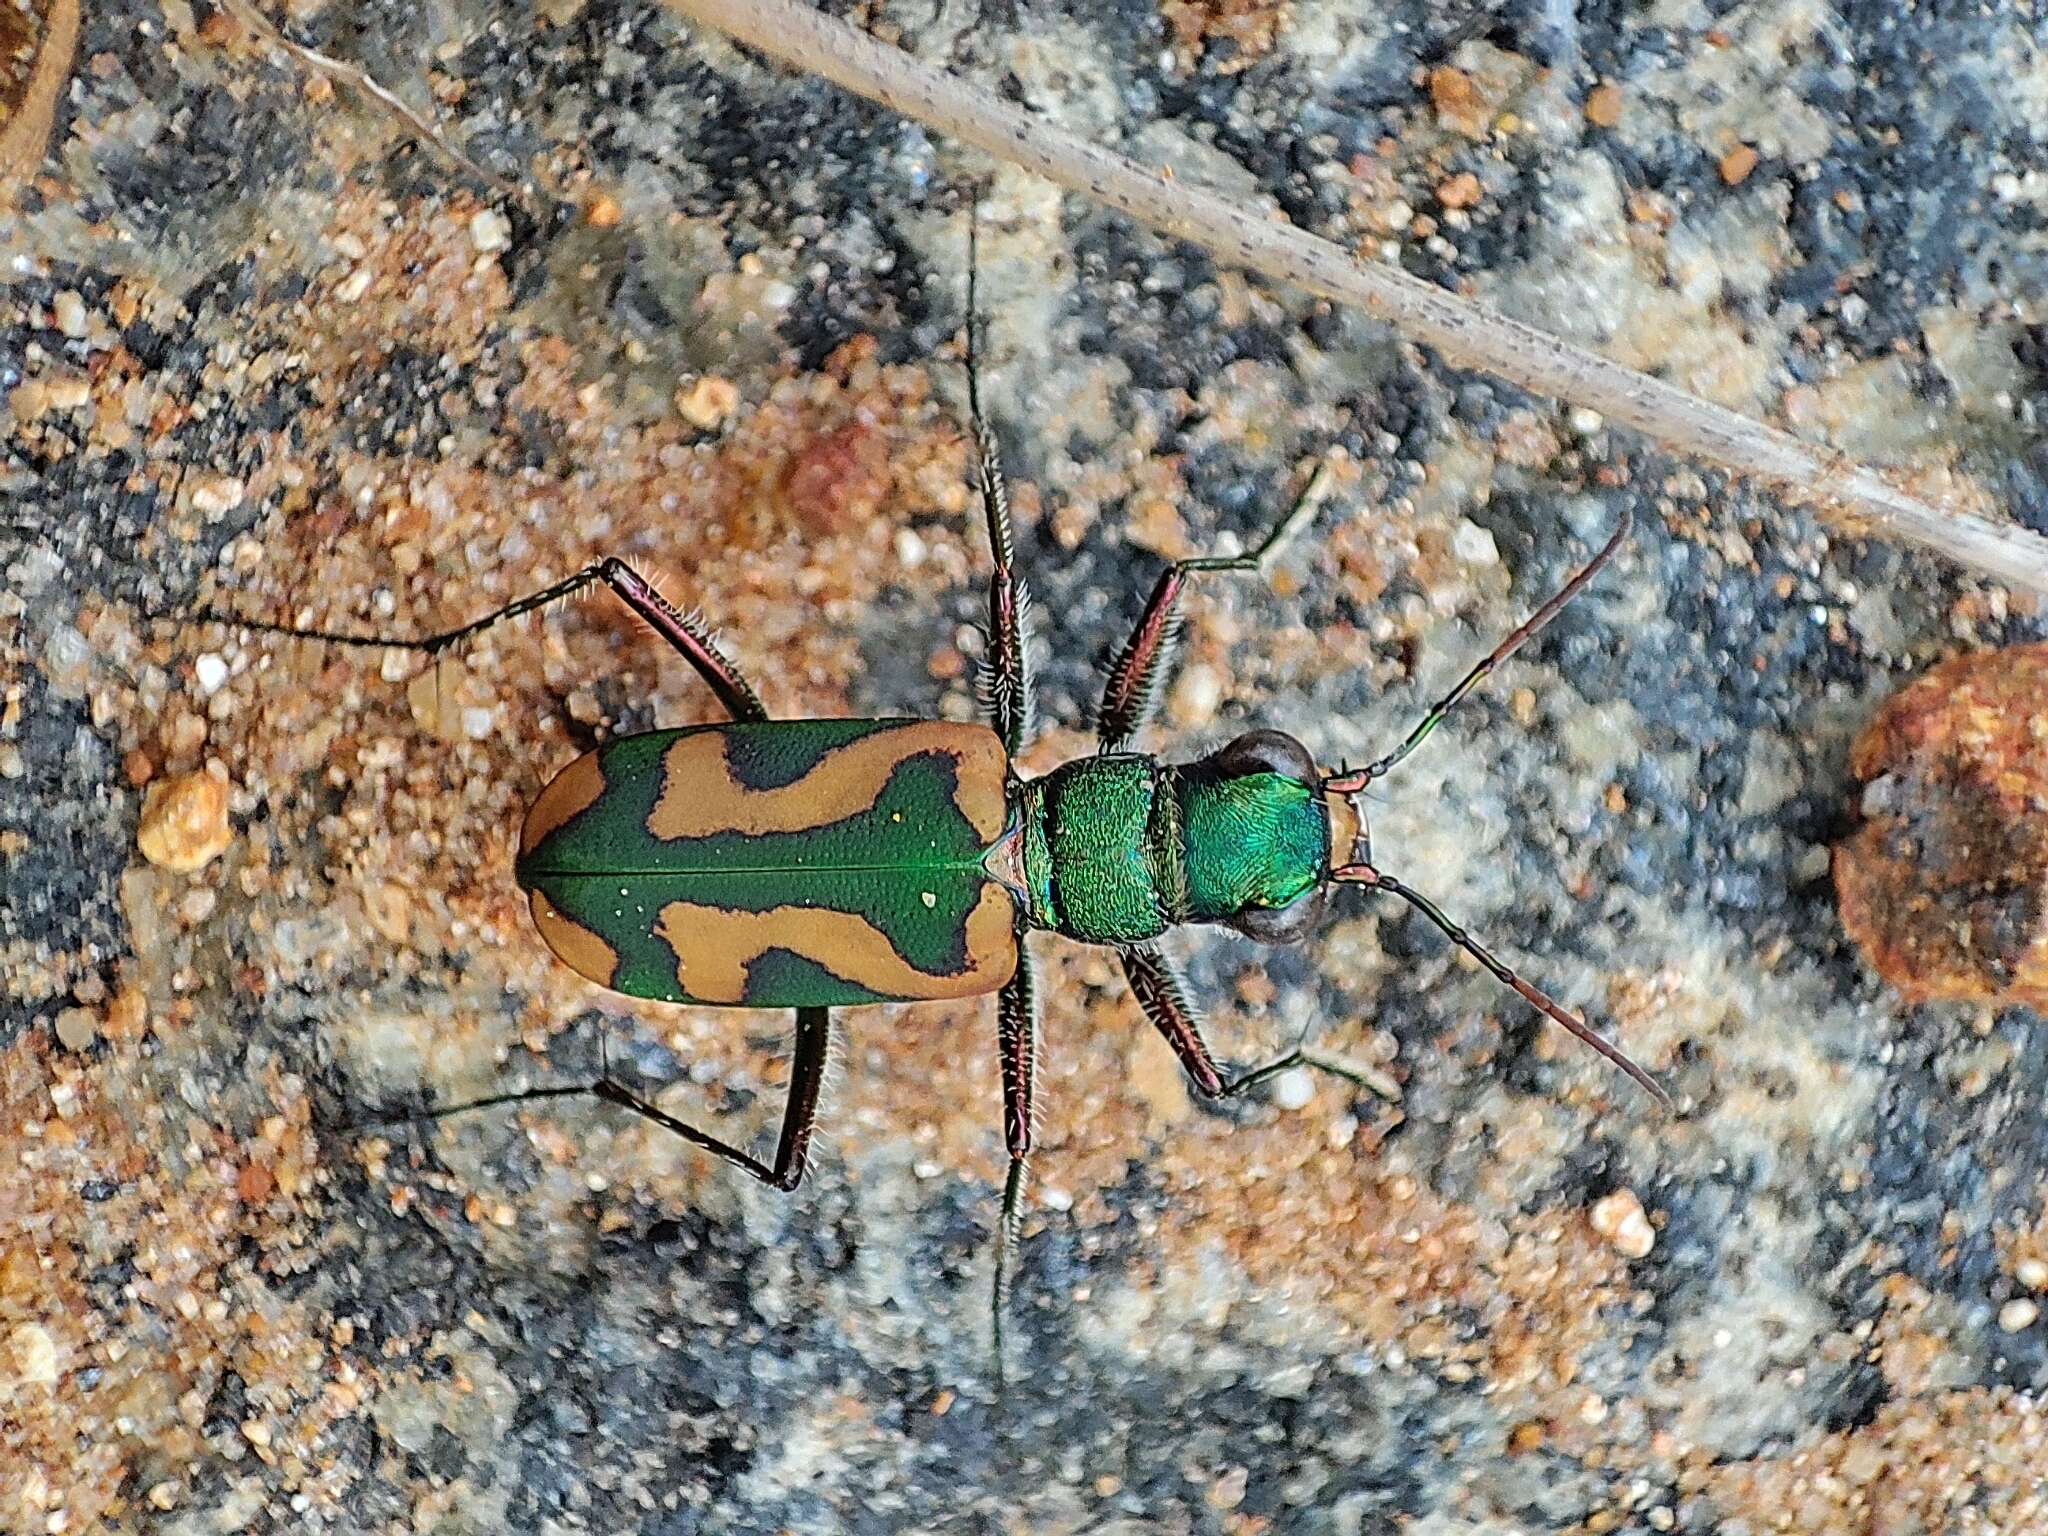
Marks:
<point>1944,887</point>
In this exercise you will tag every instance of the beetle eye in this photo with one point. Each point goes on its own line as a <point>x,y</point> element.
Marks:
<point>1265,752</point>
<point>1282,925</point>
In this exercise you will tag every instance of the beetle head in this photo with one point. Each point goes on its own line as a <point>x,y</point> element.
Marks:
<point>1284,903</point>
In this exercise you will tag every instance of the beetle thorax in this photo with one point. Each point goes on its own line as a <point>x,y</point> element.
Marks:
<point>1253,842</point>
<point>1114,849</point>
<point>1100,849</point>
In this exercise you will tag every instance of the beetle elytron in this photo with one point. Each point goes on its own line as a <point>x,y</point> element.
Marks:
<point>817,864</point>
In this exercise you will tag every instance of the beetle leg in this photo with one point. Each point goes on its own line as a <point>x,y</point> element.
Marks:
<point>799,1111</point>
<point>692,639</point>
<point>1017,1038</point>
<point>1158,988</point>
<point>688,633</point>
<point>1006,670</point>
<point>1141,666</point>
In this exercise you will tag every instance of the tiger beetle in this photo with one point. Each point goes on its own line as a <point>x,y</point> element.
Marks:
<point>821,864</point>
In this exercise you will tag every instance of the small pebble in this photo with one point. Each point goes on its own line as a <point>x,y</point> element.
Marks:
<point>1603,105</point>
<point>12,764</point>
<point>217,495</point>
<point>1197,695</point>
<point>77,1028</point>
<point>708,402</point>
<point>1944,884</point>
<point>212,673</point>
<point>68,391</point>
<point>489,231</point>
<point>1228,1491</point>
<point>35,1354</point>
<point>1294,1088</point>
<point>34,571</point>
<point>1461,191</point>
<point>1474,545</point>
<point>2019,1315</point>
<point>2032,1273</point>
<point>254,1184</point>
<point>388,905</point>
<point>1459,105</point>
<point>1737,164</point>
<point>1620,1220</point>
<point>185,822</point>
<point>69,311</point>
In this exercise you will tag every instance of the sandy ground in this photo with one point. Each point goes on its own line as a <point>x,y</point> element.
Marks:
<point>262,350</point>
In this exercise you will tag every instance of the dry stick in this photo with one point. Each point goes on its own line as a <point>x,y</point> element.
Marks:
<point>25,136</point>
<point>349,75</point>
<point>1467,334</point>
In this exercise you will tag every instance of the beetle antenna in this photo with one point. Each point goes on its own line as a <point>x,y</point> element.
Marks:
<point>1352,783</point>
<point>1367,875</point>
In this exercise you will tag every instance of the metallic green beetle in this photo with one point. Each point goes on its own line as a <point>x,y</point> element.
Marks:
<point>817,864</point>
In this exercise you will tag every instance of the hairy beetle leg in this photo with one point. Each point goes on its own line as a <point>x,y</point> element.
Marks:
<point>1157,986</point>
<point>1141,666</point>
<point>1017,1039</point>
<point>1006,675</point>
<point>799,1110</point>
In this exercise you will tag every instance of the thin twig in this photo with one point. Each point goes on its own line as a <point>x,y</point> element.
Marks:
<point>1466,334</point>
<point>26,135</point>
<point>357,79</point>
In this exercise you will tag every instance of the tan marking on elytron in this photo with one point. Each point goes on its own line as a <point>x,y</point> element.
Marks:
<point>1345,826</point>
<point>573,944</point>
<point>715,945</point>
<point>568,795</point>
<point>700,797</point>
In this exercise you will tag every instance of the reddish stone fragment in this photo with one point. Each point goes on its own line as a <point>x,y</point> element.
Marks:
<point>1945,885</point>
<point>838,483</point>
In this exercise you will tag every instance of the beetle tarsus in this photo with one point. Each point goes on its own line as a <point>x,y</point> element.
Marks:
<point>687,633</point>
<point>1157,985</point>
<point>799,1114</point>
